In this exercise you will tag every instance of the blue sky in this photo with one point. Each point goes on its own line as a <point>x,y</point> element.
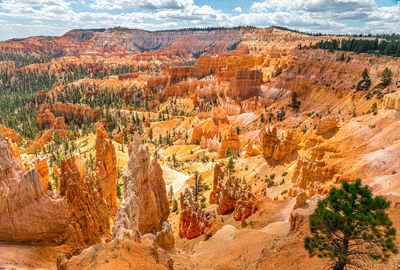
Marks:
<point>22,18</point>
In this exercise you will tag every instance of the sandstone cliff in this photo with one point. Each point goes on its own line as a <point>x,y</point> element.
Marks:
<point>105,166</point>
<point>146,205</point>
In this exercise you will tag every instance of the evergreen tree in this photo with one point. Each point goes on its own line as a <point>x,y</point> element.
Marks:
<point>386,77</point>
<point>350,227</point>
<point>199,187</point>
<point>230,166</point>
<point>170,193</point>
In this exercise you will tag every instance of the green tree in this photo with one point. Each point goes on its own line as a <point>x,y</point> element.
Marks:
<point>170,193</point>
<point>175,206</point>
<point>230,166</point>
<point>294,102</point>
<point>386,77</point>
<point>350,227</point>
<point>151,134</point>
<point>119,192</point>
<point>199,187</point>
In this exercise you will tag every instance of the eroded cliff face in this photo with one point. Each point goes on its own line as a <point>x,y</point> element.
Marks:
<point>278,146</point>
<point>11,134</point>
<point>106,167</point>
<point>231,194</point>
<point>392,101</point>
<point>88,222</point>
<point>192,220</point>
<point>146,205</point>
<point>230,144</point>
<point>28,215</point>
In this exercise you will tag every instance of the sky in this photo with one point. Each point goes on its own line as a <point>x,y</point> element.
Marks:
<point>23,18</point>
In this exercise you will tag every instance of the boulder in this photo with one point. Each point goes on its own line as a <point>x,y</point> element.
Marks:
<point>165,237</point>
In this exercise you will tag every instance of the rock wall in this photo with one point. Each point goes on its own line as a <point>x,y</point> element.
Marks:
<point>192,221</point>
<point>229,193</point>
<point>42,168</point>
<point>11,134</point>
<point>207,129</point>
<point>105,166</point>
<point>230,142</point>
<point>326,124</point>
<point>312,172</point>
<point>392,101</point>
<point>245,84</point>
<point>146,203</point>
<point>87,209</point>
<point>76,215</point>
<point>27,215</point>
<point>277,146</point>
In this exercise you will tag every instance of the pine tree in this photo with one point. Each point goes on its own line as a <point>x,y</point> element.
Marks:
<point>119,192</point>
<point>386,77</point>
<point>151,134</point>
<point>350,227</point>
<point>175,206</point>
<point>199,187</point>
<point>294,102</point>
<point>170,193</point>
<point>230,166</point>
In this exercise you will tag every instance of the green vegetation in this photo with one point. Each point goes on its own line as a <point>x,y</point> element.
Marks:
<point>351,228</point>
<point>389,48</point>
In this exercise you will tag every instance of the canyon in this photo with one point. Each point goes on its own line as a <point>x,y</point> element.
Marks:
<point>186,149</point>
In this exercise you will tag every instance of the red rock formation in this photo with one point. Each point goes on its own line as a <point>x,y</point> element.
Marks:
<point>229,193</point>
<point>42,168</point>
<point>11,134</point>
<point>206,129</point>
<point>212,145</point>
<point>392,101</point>
<point>278,146</point>
<point>146,204</point>
<point>165,237</point>
<point>147,122</point>
<point>60,124</point>
<point>230,142</point>
<point>119,138</point>
<point>312,172</point>
<point>39,142</point>
<point>87,209</point>
<point>77,215</point>
<point>27,215</point>
<point>55,170</point>
<point>192,221</point>
<point>106,167</point>
<point>46,119</point>
<point>40,96</point>
<point>325,124</point>
<point>14,150</point>
<point>245,84</point>
<point>70,111</point>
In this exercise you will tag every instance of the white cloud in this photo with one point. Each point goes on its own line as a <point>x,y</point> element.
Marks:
<point>146,4</point>
<point>329,16</point>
